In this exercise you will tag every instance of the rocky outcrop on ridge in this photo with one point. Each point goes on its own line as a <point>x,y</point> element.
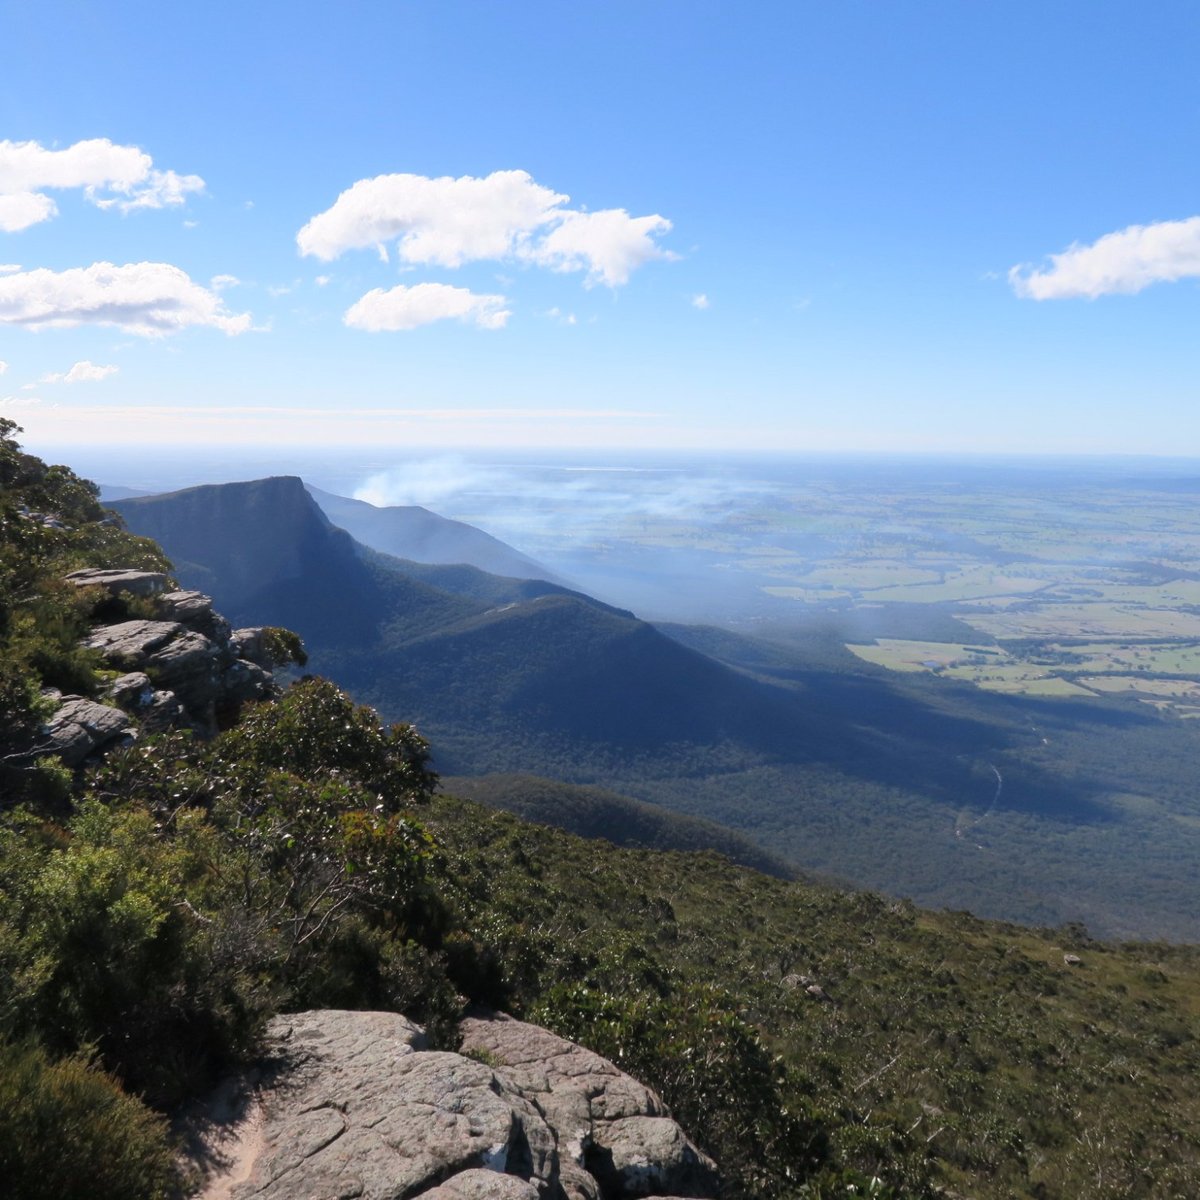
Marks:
<point>183,668</point>
<point>358,1106</point>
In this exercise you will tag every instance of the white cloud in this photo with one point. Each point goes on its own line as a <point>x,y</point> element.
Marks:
<point>323,280</point>
<point>700,301</point>
<point>443,221</point>
<point>219,283</point>
<point>422,304</point>
<point>557,314</point>
<point>20,210</point>
<point>81,372</point>
<point>3,366</point>
<point>609,244</point>
<point>149,299</point>
<point>111,176</point>
<point>9,268</point>
<point>1126,261</point>
<point>504,216</point>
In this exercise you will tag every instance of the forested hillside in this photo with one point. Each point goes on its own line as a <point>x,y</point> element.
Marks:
<point>156,906</point>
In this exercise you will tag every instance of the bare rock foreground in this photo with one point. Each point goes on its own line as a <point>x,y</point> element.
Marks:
<point>353,1106</point>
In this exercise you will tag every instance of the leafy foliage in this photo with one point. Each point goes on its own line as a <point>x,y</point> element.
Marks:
<point>67,1129</point>
<point>50,524</point>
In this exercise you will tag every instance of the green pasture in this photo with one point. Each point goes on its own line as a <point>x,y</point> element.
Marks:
<point>1144,685</point>
<point>1170,658</point>
<point>1095,620</point>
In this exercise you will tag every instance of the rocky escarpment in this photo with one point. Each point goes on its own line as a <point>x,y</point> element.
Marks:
<point>356,1105</point>
<point>181,668</point>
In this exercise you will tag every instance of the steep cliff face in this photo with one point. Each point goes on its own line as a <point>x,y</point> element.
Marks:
<point>228,538</point>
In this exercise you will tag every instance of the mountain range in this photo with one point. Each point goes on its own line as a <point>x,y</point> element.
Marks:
<point>925,788</point>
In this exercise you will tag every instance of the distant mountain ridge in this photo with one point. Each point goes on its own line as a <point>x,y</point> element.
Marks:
<point>412,532</point>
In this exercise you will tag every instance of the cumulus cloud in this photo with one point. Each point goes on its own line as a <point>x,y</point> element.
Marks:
<point>422,304</point>
<point>609,245</point>
<point>111,176</point>
<point>1126,261</point>
<point>444,222</point>
<point>149,299</point>
<point>700,301</point>
<point>504,216</point>
<point>81,372</point>
<point>3,366</point>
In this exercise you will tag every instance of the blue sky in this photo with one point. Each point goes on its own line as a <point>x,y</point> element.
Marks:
<point>715,225</point>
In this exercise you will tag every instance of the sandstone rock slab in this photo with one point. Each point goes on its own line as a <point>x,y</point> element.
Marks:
<point>136,583</point>
<point>362,1113</point>
<point>130,643</point>
<point>187,607</point>
<point>81,726</point>
<point>133,690</point>
<point>482,1185</point>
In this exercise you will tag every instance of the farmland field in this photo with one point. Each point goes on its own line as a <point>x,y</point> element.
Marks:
<point>1078,579</point>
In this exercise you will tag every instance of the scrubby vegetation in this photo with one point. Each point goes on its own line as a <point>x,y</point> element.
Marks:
<point>157,908</point>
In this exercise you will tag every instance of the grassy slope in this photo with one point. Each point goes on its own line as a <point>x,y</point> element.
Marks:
<point>945,1042</point>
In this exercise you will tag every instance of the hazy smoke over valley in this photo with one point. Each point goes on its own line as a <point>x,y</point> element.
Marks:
<point>537,500</point>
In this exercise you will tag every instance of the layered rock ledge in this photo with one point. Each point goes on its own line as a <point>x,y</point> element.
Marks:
<point>183,668</point>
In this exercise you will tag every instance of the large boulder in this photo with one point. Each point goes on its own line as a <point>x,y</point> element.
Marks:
<point>361,1110</point>
<point>192,661</point>
<point>355,1105</point>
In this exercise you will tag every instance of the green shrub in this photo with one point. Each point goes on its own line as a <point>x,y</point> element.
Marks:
<point>316,731</point>
<point>67,1130</point>
<point>714,1072</point>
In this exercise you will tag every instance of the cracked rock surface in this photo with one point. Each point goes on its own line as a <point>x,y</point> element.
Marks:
<point>81,726</point>
<point>614,1127</point>
<point>357,1108</point>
